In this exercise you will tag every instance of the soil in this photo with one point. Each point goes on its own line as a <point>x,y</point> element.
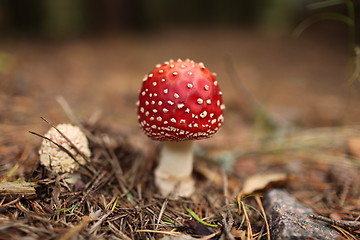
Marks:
<point>278,90</point>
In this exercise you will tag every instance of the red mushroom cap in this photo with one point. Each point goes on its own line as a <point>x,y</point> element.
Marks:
<point>180,100</point>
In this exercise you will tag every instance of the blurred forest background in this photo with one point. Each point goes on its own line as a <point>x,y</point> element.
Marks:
<point>94,53</point>
<point>77,17</point>
<point>69,18</point>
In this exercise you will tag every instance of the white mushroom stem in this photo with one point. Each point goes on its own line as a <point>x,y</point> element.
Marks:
<point>173,176</point>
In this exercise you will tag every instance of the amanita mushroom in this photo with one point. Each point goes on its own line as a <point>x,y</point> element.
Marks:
<point>179,101</point>
<point>57,160</point>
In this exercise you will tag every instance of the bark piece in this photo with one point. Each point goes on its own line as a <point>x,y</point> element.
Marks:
<point>17,188</point>
<point>290,219</point>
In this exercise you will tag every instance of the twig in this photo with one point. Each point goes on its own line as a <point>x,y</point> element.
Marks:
<point>351,225</point>
<point>228,216</point>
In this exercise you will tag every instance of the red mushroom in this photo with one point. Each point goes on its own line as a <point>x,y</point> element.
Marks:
<point>179,101</point>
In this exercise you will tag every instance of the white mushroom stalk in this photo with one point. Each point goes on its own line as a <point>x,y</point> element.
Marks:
<point>59,161</point>
<point>173,174</point>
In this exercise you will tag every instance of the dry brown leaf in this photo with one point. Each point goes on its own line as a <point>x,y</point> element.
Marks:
<point>261,181</point>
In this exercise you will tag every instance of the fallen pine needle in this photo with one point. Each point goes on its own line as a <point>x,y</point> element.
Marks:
<point>158,231</point>
<point>347,235</point>
<point>9,203</point>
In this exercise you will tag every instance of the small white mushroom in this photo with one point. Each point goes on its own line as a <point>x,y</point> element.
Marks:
<point>57,160</point>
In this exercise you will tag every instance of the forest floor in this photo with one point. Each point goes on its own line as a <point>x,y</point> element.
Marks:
<point>291,116</point>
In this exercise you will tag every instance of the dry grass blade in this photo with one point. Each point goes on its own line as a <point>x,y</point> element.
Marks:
<point>248,223</point>
<point>258,200</point>
<point>243,209</point>
<point>346,234</point>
